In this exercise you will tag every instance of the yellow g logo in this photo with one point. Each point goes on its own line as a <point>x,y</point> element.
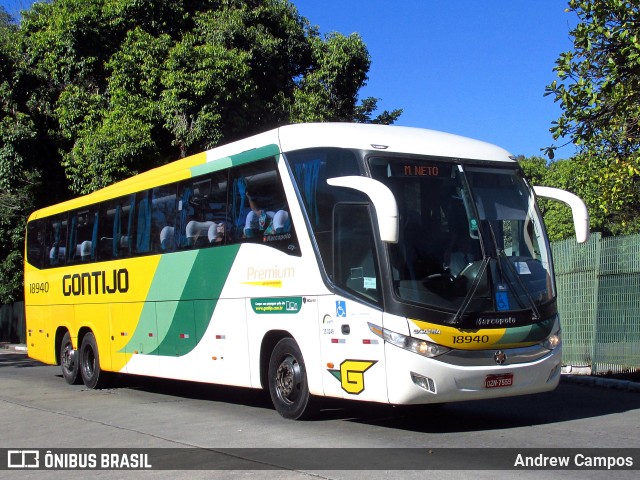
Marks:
<point>351,375</point>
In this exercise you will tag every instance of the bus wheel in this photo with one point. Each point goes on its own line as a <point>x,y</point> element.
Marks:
<point>92,375</point>
<point>288,381</point>
<point>69,361</point>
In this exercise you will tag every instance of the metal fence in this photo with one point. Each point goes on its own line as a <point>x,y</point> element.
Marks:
<point>12,327</point>
<point>599,302</point>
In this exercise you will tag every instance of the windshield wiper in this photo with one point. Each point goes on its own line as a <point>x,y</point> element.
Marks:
<point>472,291</point>
<point>511,275</point>
<point>514,274</point>
<point>486,258</point>
<point>499,254</point>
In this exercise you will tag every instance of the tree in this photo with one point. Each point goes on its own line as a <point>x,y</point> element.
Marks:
<point>135,84</point>
<point>17,180</point>
<point>557,216</point>
<point>94,91</point>
<point>576,177</point>
<point>599,93</point>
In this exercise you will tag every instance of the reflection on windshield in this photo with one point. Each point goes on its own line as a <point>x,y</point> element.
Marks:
<point>470,238</point>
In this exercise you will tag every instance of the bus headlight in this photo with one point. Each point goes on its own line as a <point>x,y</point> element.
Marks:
<point>421,347</point>
<point>553,340</point>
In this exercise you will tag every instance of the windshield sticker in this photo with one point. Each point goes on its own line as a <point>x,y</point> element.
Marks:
<point>522,268</point>
<point>502,301</point>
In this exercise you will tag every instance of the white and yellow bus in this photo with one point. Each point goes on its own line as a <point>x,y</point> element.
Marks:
<point>376,263</point>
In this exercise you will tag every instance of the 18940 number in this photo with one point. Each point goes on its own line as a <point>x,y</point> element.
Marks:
<point>471,339</point>
<point>42,287</point>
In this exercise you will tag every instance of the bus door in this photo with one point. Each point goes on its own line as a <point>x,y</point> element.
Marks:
<point>353,356</point>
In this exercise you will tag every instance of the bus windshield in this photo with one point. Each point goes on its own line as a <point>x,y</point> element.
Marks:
<point>471,239</point>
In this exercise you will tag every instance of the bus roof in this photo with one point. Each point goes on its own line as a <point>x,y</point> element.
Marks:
<point>393,138</point>
<point>288,138</point>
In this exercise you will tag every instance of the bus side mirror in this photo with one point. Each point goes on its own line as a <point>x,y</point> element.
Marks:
<point>383,201</point>
<point>578,209</point>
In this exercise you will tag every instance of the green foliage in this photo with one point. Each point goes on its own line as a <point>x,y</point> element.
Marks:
<point>576,176</point>
<point>329,89</point>
<point>17,132</point>
<point>599,93</point>
<point>557,216</point>
<point>94,91</point>
<point>363,113</point>
<point>134,84</point>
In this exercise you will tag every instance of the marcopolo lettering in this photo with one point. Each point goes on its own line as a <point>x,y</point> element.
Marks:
<point>96,283</point>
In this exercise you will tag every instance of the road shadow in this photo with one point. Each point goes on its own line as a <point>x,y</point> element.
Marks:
<point>195,391</point>
<point>17,360</point>
<point>568,402</point>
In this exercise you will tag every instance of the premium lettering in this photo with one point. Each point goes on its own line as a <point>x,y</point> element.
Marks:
<point>270,273</point>
<point>96,283</point>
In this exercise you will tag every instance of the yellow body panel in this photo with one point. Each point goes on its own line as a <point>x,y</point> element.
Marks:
<point>77,296</point>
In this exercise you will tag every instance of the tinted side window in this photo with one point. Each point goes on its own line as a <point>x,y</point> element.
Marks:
<point>163,218</point>
<point>356,266</point>
<point>36,245</point>
<point>56,240</point>
<point>83,235</point>
<point>115,237</point>
<point>202,216</point>
<point>143,222</point>
<point>258,207</point>
<point>311,169</point>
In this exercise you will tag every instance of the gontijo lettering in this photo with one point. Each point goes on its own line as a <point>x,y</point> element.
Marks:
<point>96,283</point>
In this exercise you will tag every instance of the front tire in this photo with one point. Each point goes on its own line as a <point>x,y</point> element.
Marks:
<point>287,378</point>
<point>69,361</point>
<point>92,375</point>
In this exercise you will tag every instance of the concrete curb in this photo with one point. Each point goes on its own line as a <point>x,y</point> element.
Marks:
<point>601,382</point>
<point>13,348</point>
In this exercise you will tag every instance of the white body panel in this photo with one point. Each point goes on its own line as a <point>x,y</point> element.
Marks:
<point>454,383</point>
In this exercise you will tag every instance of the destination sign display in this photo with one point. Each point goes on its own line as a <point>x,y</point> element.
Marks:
<point>404,169</point>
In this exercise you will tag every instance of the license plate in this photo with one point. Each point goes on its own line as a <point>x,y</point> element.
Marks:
<point>497,381</point>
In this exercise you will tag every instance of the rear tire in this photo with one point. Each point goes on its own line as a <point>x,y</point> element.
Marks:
<point>288,385</point>
<point>69,361</point>
<point>92,375</point>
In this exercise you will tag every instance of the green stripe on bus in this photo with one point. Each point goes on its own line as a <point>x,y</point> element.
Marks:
<point>536,332</point>
<point>206,280</point>
<point>235,160</point>
<point>190,283</point>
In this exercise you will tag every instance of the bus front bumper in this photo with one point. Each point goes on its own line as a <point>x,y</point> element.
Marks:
<point>414,379</point>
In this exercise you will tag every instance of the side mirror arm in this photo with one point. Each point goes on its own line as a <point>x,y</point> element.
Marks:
<point>383,201</point>
<point>578,209</point>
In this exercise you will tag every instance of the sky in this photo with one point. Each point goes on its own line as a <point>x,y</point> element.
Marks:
<point>468,67</point>
<point>473,68</point>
